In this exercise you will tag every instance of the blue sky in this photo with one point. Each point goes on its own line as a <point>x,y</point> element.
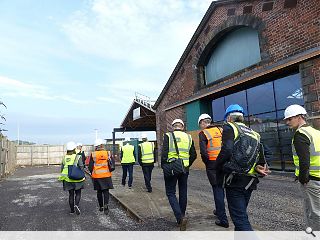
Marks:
<point>69,67</point>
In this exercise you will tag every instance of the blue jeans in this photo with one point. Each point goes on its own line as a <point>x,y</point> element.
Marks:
<point>125,169</point>
<point>147,171</point>
<point>178,207</point>
<point>238,200</point>
<point>218,194</point>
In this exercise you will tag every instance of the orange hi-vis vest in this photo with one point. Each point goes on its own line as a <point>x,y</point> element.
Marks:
<point>100,168</point>
<point>213,135</point>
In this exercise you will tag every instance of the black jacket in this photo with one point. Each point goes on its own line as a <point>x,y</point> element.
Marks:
<point>165,151</point>
<point>225,156</point>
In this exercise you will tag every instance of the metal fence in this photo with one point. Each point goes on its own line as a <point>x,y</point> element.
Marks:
<point>8,160</point>
<point>30,155</point>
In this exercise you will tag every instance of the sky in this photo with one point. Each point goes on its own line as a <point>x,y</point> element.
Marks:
<point>70,67</point>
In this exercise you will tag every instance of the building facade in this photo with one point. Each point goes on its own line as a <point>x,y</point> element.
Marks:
<point>263,55</point>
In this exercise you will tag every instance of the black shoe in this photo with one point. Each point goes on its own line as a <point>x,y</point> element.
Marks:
<point>215,212</point>
<point>101,209</point>
<point>72,212</point>
<point>149,190</point>
<point>183,224</point>
<point>106,209</point>
<point>221,224</point>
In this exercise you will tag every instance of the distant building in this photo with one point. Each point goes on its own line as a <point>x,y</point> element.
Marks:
<point>263,55</point>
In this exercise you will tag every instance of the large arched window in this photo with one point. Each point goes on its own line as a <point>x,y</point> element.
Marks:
<point>237,50</point>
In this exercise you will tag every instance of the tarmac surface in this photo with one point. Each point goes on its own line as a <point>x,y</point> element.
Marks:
<point>32,199</point>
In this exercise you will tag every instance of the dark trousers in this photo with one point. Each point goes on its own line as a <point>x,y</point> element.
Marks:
<point>129,169</point>
<point>218,195</point>
<point>147,171</point>
<point>238,200</point>
<point>103,197</point>
<point>74,200</point>
<point>178,207</point>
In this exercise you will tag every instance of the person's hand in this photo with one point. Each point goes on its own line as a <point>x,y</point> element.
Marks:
<point>263,170</point>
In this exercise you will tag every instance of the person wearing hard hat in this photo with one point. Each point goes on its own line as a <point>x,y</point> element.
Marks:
<point>127,156</point>
<point>146,159</point>
<point>210,146</point>
<point>306,158</point>
<point>73,186</point>
<point>239,182</point>
<point>188,153</point>
<point>101,175</point>
<point>80,152</point>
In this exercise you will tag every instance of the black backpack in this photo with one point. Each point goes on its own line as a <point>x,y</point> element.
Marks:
<point>245,151</point>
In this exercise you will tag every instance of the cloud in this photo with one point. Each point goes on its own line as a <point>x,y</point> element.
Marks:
<point>141,32</point>
<point>15,88</point>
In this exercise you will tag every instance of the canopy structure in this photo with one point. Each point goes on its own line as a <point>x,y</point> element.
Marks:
<point>140,117</point>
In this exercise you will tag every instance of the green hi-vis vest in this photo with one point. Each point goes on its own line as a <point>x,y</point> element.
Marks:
<point>252,134</point>
<point>184,142</point>
<point>314,138</point>
<point>67,161</point>
<point>127,154</point>
<point>147,149</point>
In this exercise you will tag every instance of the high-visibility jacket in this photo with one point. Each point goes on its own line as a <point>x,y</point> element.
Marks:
<point>69,160</point>
<point>252,134</point>
<point>127,154</point>
<point>213,136</point>
<point>314,149</point>
<point>100,166</point>
<point>147,149</point>
<point>184,142</point>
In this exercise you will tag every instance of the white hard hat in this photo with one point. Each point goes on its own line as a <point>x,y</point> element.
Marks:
<point>177,121</point>
<point>127,139</point>
<point>203,116</point>
<point>71,146</point>
<point>79,144</point>
<point>98,142</point>
<point>294,110</point>
<point>143,136</point>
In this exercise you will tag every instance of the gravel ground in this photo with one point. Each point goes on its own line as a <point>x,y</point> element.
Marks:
<point>32,200</point>
<point>275,206</point>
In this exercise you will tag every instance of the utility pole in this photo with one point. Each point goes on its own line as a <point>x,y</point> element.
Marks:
<point>18,134</point>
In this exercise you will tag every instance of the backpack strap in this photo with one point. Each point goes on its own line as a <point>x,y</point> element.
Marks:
<point>175,143</point>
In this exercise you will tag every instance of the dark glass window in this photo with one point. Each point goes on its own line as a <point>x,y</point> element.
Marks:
<point>237,98</point>
<point>261,99</point>
<point>288,91</point>
<point>218,109</point>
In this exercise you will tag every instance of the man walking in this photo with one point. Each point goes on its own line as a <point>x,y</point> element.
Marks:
<point>146,158</point>
<point>127,162</point>
<point>210,146</point>
<point>306,158</point>
<point>187,152</point>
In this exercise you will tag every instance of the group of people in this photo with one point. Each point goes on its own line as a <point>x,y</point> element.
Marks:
<point>99,170</point>
<point>234,157</point>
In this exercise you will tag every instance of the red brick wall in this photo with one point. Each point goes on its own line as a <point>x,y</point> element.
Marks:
<point>283,33</point>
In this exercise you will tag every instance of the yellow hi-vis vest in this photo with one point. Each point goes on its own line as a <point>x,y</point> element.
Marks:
<point>253,134</point>
<point>314,138</point>
<point>184,142</point>
<point>127,154</point>
<point>147,149</point>
<point>67,161</point>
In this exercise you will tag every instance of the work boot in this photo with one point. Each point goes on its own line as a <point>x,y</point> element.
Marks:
<point>215,212</point>
<point>222,224</point>
<point>183,224</point>
<point>100,209</point>
<point>106,209</point>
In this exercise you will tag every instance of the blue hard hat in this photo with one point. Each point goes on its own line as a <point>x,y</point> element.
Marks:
<point>233,108</point>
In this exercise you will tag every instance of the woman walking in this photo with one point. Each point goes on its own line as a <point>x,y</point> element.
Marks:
<point>73,186</point>
<point>101,175</point>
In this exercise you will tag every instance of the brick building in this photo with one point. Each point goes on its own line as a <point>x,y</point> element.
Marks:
<point>261,54</point>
